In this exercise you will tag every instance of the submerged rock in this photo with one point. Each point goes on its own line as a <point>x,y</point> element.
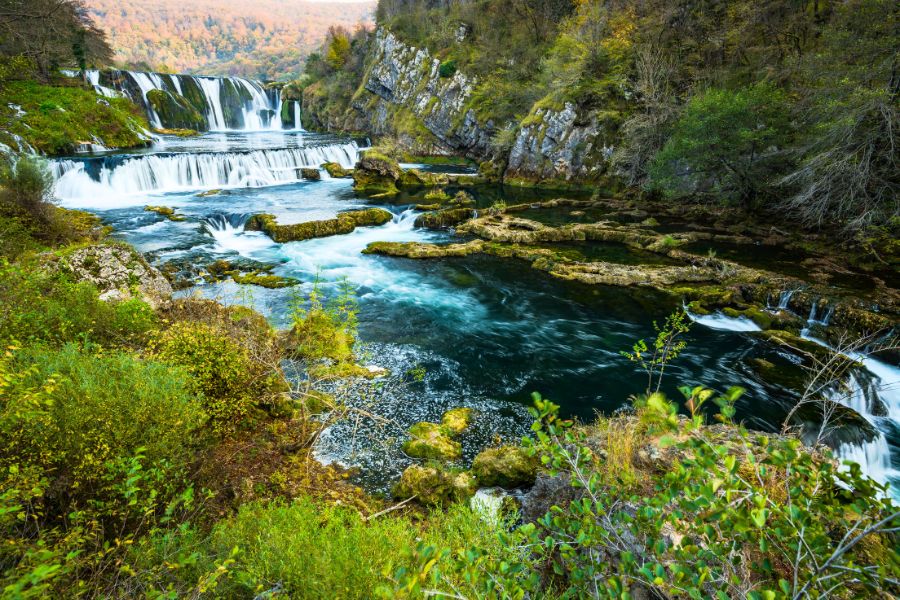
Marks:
<point>344,223</point>
<point>119,272</point>
<point>506,466</point>
<point>434,486</point>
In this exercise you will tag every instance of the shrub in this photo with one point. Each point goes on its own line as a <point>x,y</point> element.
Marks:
<point>324,329</point>
<point>724,145</point>
<point>76,416</point>
<point>447,69</point>
<point>37,305</point>
<point>223,370</point>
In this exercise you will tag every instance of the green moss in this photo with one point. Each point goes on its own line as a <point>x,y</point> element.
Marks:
<point>434,486</point>
<point>457,420</point>
<point>444,218</point>
<point>57,118</point>
<point>507,466</point>
<point>182,133</point>
<point>336,170</point>
<point>437,195</point>
<point>344,223</point>
<point>264,279</point>
<point>430,440</point>
<point>175,111</point>
<point>165,211</point>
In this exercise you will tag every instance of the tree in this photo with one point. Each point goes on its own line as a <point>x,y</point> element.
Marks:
<point>725,145</point>
<point>338,48</point>
<point>52,33</point>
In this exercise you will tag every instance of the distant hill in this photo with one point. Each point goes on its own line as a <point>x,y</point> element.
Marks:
<point>265,39</point>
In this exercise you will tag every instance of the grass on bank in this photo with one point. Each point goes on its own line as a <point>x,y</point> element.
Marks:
<point>58,117</point>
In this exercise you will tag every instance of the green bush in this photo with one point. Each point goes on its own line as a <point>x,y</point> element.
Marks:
<point>223,370</point>
<point>725,145</point>
<point>316,551</point>
<point>447,69</point>
<point>37,305</point>
<point>77,415</point>
<point>732,514</point>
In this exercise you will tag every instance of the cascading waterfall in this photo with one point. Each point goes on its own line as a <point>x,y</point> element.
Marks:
<point>882,390</point>
<point>102,182</point>
<point>227,103</point>
<point>297,124</point>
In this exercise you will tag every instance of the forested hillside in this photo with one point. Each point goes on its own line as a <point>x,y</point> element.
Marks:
<point>775,106</point>
<point>265,39</point>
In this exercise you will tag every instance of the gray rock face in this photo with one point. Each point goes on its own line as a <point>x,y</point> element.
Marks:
<point>120,273</point>
<point>410,77</point>
<point>560,145</point>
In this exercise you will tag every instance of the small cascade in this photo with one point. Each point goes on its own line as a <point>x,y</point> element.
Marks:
<point>812,320</point>
<point>784,299</point>
<point>297,125</point>
<point>723,322</point>
<point>229,235</point>
<point>103,182</point>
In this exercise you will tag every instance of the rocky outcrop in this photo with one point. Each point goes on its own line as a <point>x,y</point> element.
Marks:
<point>344,223</point>
<point>119,272</point>
<point>410,77</point>
<point>560,145</point>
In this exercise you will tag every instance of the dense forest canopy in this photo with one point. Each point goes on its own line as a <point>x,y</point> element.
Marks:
<point>265,39</point>
<point>778,106</point>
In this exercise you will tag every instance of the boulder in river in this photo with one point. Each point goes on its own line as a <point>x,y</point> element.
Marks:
<point>430,440</point>
<point>506,466</point>
<point>434,486</point>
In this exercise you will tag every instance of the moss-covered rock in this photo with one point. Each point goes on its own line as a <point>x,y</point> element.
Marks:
<point>176,112</point>
<point>434,486</point>
<point>506,466</point>
<point>376,173</point>
<point>311,174</point>
<point>430,440</point>
<point>336,170</point>
<point>182,133</point>
<point>442,219</point>
<point>264,279</point>
<point>437,195</point>
<point>344,223</point>
<point>456,420</point>
<point>166,211</point>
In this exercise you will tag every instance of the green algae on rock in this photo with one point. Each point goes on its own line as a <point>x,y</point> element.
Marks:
<point>342,224</point>
<point>441,219</point>
<point>165,211</point>
<point>431,485</point>
<point>457,420</point>
<point>336,171</point>
<point>430,440</point>
<point>376,173</point>
<point>506,466</point>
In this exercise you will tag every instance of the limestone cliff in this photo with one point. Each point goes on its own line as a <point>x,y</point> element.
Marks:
<point>404,95</point>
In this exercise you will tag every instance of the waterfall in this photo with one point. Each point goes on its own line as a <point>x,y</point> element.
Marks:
<point>227,103</point>
<point>297,125</point>
<point>229,235</point>
<point>874,456</point>
<point>784,299</point>
<point>102,182</point>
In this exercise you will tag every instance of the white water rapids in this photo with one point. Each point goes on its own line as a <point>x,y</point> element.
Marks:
<point>82,183</point>
<point>874,456</point>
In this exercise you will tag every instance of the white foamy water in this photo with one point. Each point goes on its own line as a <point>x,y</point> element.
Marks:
<point>117,179</point>
<point>724,323</point>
